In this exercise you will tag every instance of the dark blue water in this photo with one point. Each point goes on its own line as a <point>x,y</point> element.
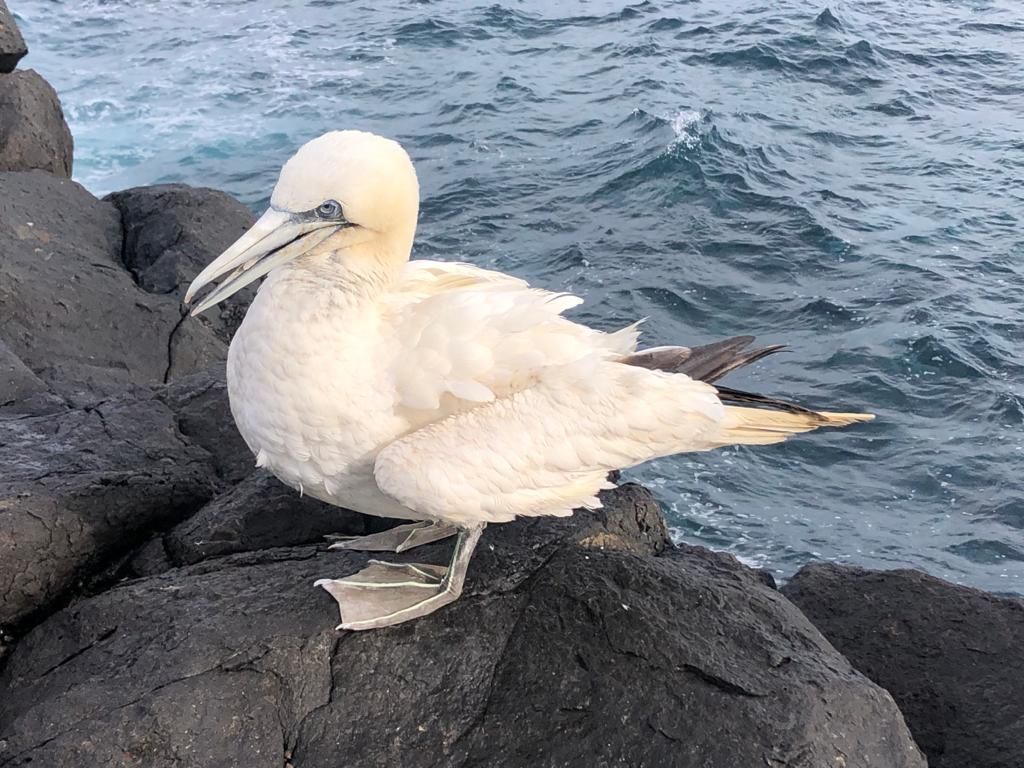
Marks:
<point>848,182</point>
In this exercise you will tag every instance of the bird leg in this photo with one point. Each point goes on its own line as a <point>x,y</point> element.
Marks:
<point>383,594</point>
<point>397,539</point>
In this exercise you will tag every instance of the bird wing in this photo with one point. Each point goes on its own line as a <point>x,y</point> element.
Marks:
<point>546,407</point>
<point>426,277</point>
<point>547,449</point>
<point>473,335</point>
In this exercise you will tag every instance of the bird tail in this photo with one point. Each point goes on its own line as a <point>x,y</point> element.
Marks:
<point>758,426</point>
<point>706,363</point>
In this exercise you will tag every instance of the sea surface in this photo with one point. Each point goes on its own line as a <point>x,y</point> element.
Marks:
<point>846,180</point>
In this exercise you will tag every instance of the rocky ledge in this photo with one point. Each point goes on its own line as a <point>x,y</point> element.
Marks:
<point>156,598</point>
<point>587,641</point>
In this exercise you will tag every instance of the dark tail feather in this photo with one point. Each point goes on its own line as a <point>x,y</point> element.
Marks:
<point>739,397</point>
<point>713,361</point>
<point>707,363</point>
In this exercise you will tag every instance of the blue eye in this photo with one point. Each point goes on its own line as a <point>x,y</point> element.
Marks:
<point>329,209</point>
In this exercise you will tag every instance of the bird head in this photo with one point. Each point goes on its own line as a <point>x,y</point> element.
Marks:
<point>346,192</point>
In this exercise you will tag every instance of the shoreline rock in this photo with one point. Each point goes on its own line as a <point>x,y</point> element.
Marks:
<point>576,644</point>
<point>80,487</point>
<point>33,133</point>
<point>12,44</point>
<point>172,231</point>
<point>951,656</point>
<point>70,309</point>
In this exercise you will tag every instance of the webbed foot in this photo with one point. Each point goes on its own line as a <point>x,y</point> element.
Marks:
<point>398,539</point>
<point>383,594</point>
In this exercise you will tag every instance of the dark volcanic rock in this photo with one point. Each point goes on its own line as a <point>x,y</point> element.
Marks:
<point>82,486</point>
<point>12,44</point>
<point>21,391</point>
<point>201,407</point>
<point>33,132</point>
<point>68,307</point>
<point>16,380</point>
<point>559,654</point>
<point>258,513</point>
<point>172,231</point>
<point>951,656</point>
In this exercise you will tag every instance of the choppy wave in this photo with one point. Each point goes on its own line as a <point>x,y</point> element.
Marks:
<point>847,180</point>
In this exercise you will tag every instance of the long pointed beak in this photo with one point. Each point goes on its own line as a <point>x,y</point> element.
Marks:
<point>275,239</point>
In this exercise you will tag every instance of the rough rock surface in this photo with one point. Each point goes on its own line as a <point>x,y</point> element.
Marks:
<point>68,307</point>
<point>33,132</point>
<point>258,513</point>
<point>951,656</point>
<point>21,391</point>
<point>574,645</point>
<point>12,44</point>
<point>80,487</point>
<point>200,405</point>
<point>172,231</point>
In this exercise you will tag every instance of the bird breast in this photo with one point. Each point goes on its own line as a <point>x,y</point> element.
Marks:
<point>307,386</point>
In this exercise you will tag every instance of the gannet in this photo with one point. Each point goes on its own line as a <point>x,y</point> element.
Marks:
<point>440,392</point>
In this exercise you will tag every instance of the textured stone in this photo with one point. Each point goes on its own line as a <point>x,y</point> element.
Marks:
<point>950,656</point>
<point>33,132</point>
<point>201,407</point>
<point>12,44</point>
<point>83,486</point>
<point>69,308</point>
<point>258,513</point>
<point>560,653</point>
<point>16,380</point>
<point>172,231</point>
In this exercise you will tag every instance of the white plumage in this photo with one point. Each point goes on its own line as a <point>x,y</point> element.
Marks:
<point>431,390</point>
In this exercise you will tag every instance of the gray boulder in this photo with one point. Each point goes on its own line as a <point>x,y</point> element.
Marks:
<point>33,132</point>
<point>69,308</point>
<point>202,411</point>
<point>258,513</point>
<point>21,391</point>
<point>579,642</point>
<point>951,656</point>
<point>83,486</point>
<point>17,382</point>
<point>172,231</point>
<point>12,44</point>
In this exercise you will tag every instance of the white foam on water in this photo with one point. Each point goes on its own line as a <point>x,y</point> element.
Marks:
<point>686,127</point>
<point>753,561</point>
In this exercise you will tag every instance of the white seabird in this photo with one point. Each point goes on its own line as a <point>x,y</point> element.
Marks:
<point>440,392</point>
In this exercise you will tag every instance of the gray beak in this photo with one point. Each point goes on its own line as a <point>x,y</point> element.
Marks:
<point>277,238</point>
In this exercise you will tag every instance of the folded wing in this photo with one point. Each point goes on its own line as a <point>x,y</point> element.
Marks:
<point>470,335</point>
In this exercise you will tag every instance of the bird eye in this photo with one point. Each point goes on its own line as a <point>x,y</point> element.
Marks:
<point>329,209</point>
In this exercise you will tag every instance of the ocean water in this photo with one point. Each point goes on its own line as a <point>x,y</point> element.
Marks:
<point>848,181</point>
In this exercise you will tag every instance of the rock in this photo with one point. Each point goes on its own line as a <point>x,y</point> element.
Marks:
<point>950,656</point>
<point>82,486</point>
<point>16,380</point>
<point>33,132</point>
<point>200,405</point>
<point>12,44</point>
<point>258,513</point>
<point>558,654</point>
<point>68,307</point>
<point>172,231</point>
<point>21,391</point>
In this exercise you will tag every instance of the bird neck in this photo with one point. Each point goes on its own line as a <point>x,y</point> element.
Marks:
<point>366,268</point>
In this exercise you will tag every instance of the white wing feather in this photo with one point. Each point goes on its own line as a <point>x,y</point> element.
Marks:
<point>523,412</point>
<point>547,449</point>
<point>473,335</point>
